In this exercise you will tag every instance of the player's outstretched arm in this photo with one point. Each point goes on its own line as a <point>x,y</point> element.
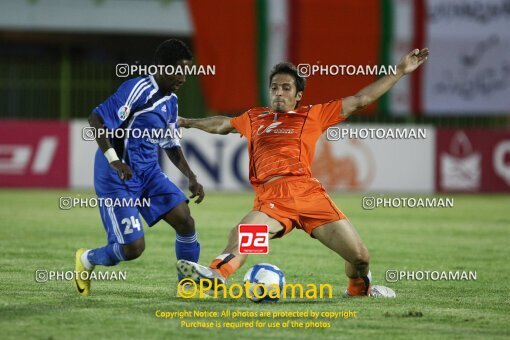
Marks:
<point>217,125</point>
<point>374,91</point>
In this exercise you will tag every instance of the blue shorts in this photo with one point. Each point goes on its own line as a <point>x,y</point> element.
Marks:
<point>122,223</point>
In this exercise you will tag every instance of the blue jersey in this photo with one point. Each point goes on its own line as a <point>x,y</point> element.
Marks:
<point>139,106</point>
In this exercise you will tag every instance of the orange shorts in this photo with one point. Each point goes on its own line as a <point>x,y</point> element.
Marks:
<point>296,202</point>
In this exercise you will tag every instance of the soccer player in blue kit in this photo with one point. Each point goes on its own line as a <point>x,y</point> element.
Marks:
<point>128,168</point>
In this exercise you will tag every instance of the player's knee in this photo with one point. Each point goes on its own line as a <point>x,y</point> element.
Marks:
<point>134,250</point>
<point>185,225</point>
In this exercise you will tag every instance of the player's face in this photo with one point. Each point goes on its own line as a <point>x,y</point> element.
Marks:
<point>283,93</point>
<point>173,82</point>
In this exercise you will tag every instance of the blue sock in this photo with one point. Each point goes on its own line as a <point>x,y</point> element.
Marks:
<point>108,255</point>
<point>187,248</point>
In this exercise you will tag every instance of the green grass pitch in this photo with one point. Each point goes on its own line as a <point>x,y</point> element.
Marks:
<point>472,236</point>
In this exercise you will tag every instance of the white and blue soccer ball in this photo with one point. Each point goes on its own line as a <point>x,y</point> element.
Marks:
<point>268,275</point>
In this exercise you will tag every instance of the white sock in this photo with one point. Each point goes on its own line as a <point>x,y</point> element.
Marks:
<point>85,261</point>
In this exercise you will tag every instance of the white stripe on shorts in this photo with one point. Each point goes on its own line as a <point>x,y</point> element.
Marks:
<point>115,225</point>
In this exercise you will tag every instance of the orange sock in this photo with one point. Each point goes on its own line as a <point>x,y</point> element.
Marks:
<point>358,287</point>
<point>225,264</point>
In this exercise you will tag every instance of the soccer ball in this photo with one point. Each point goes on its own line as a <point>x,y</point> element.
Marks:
<point>266,282</point>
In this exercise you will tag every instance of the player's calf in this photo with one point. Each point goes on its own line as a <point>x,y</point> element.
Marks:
<point>186,240</point>
<point>230,260</point>
<point>359,265</point>
<point>112,254</point>
<point>359,274</point>
<point>134,249</point>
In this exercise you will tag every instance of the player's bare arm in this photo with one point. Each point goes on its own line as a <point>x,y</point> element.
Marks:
<point>123,170</point>
<point>177,158</point>
<point>374,91</point>
<point>217,125</point>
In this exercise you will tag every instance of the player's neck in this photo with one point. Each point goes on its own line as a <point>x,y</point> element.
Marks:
<point>161,86</point>
<point>284,111</point>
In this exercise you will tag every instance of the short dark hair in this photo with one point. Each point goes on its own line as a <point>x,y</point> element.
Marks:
<point>290,69</point>
<point>170,51</point>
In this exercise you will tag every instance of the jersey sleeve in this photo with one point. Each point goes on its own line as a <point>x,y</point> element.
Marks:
<point>330,113</point>
<point>172,140</point>
<point>117,108</point>
<point>242,124</point>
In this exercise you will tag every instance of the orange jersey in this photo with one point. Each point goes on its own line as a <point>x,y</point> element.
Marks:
<point>283,144</point>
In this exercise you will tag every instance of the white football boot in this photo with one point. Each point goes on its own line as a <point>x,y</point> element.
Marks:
<point>198,273</point>
<point>381,291</point>
<point>376,291</point>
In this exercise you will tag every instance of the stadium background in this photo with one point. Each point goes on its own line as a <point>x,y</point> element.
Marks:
<point>57,62</point>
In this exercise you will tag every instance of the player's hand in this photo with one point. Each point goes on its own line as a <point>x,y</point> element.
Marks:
<point>411,61</point>
<point>182,122</point>
<point>123,170</point>
<point>197,190</point>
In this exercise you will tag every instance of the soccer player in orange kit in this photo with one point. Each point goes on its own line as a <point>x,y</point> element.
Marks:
<point>281,145</point>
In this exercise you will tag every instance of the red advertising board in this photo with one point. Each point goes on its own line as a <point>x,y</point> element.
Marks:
<point>472,160</point>
<point>34,153</point>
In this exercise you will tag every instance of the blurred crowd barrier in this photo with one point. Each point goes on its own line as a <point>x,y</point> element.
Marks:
<point>54,154</point>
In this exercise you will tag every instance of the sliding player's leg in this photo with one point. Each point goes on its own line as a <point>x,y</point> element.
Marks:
<point>341,237</point>
<point>321,218</point>
<point>230,260</point>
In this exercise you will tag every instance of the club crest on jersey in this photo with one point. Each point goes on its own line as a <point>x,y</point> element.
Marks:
<point>123,112</point>
<point>163,108</point>
<point>272,128</point>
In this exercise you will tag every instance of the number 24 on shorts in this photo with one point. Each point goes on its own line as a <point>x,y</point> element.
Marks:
<point>130,223</point>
